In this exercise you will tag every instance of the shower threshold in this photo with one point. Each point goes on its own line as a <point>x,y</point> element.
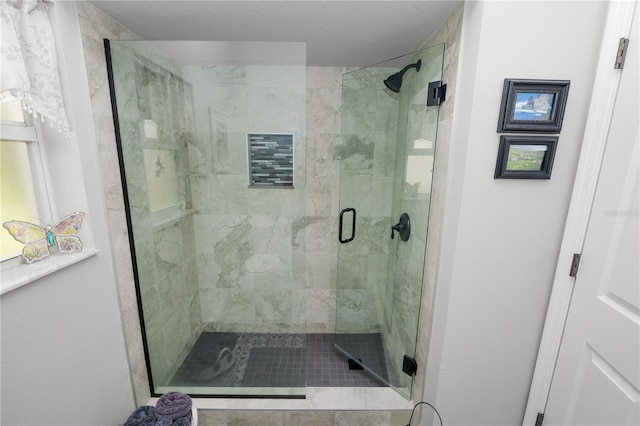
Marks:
<point>318,399</point>
<point>253,360</point>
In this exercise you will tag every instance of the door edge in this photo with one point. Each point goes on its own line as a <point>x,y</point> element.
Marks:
<point>606,82</point>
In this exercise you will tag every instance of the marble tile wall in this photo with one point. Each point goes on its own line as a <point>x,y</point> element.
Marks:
<point>248,271</point>
<point>286,240</point>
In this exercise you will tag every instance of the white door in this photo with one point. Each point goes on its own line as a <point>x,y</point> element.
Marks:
<point>597,376</point>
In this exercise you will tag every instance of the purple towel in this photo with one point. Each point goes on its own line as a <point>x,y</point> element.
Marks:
<point>182,422</point>
<point>175,405</point>
<point>164,421</point>
<point>142,416</point>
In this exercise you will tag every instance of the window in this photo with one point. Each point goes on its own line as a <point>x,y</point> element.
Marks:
<point>23,192</point>
<point>49,149</point>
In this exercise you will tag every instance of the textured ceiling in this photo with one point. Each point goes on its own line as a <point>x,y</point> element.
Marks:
<point>338,33</point>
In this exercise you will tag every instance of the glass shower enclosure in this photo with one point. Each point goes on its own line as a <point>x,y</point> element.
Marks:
<point>387,155</point>
<point>218,166</point>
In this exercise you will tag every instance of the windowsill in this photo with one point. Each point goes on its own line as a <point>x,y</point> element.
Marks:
<point>16,274</point>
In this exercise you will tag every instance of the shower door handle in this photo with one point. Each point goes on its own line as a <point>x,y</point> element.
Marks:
<point>353,226</point>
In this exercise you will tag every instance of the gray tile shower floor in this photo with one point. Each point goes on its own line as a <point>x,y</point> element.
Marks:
<point>279,360</point>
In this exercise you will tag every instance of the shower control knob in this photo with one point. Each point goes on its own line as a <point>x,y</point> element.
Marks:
<point>403,227</point>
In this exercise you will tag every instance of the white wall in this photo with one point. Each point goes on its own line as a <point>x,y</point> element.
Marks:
<point>501,238</point>
<point>63,352</point>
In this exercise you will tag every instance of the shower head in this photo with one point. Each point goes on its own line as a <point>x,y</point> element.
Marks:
<point>393,82</point>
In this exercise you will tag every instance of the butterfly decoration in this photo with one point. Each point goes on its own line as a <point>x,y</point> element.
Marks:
<point>38,240</point>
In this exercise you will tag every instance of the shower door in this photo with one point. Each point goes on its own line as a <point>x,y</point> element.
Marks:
<point>387,154</point>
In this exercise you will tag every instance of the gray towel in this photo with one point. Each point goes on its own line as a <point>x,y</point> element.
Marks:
<point>142,416</point>
<point>174,405</point>
<point>164,421</point>
<point>182,422</point>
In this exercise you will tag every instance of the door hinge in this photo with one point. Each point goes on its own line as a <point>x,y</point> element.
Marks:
<point>539,419</point>
<point>575,263</point>
<point>621,54</point>
<point>409,366</point>
<point>436,93</point>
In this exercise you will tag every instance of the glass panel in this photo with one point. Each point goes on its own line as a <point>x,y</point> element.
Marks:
<point>367,161</point>
<point>221,266</point>
<point>386,167</point>
<point>17,194</point>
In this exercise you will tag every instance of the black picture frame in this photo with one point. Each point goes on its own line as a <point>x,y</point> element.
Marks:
<point>525,157</point>
<point>533,105</point>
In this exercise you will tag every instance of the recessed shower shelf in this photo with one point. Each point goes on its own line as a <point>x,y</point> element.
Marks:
<point>162,219</point>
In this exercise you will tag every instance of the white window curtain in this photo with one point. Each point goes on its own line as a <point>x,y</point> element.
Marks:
<point>29,66</point>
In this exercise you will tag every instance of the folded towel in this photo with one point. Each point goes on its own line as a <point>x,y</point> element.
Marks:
<point>164,421</point>
<point>142,416</point>
<point>175,405</point>
<point>182,422</point>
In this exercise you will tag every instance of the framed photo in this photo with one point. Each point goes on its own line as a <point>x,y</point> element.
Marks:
<point>533,105</point>
<point>525,157</point>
